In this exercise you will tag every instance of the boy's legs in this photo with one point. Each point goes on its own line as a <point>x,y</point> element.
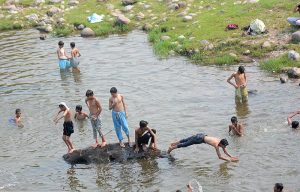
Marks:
<point>68,139</point>
<point>117,125</point>
<point>124,125</point>
<point>66,142</point>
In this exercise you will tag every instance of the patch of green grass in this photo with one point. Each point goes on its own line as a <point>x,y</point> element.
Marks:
<point>62,31</point>
<point>9,25</point>
<point>278,64</point>
<point>225,59</point>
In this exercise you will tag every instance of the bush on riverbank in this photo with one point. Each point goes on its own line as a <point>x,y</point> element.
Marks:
<point>188,27</point>
<point>277,65</point>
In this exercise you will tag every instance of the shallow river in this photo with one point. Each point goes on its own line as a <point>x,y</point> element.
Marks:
<point>178,98</point>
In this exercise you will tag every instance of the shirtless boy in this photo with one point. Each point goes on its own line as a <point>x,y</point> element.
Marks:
<point>68,125</point>
<point>18,117</point>
<point>240,85</point>
<point>142,136</point>
<point>235,127</point>
<point>62,56</point>
<point>295,124</point>
<point>79,115</point>
<point>202,138</point>
<point>95,111</point>
<point>74,60</point>
<point>119,115</point>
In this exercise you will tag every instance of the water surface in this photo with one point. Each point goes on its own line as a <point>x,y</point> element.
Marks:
<point>177,97</point>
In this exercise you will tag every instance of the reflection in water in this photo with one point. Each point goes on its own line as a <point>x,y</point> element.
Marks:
<point>77,77</point>
<point>242,108</point>
<point>73,180</point>
<point>149,170</point>
<point>223,171</point>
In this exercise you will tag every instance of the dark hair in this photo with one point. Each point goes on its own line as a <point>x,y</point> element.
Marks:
<point>279,186</point>
<point>60,106</point>
<point>89,93</point>
<point>234,119</point>
<point>60,43</point>
<point>224,142</point>
<point>72,44</point>
<point>18,111</point>
<point>113,90</point>
<point>78,107</point>
<point>241,69</point>
<point>295,124</point>
<point>143,123</point>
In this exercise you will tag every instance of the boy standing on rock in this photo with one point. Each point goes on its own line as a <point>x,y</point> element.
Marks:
<point>119,115</point>
<point>95,111</point>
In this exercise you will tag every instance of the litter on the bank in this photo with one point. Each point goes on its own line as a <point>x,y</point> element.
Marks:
<point>95,18</point>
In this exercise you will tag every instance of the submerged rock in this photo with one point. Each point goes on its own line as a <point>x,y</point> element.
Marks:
<point>111,152</point>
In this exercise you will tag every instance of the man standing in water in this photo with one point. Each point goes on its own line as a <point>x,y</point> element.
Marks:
<point>235,127</point>
<point>119,115</point>
<point>202,138</point>
<point>241,92</point>
<point>68,125</point>
<point>95,111</point>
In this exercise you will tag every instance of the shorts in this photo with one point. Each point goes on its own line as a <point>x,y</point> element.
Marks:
<point>68,128</point>
<point>195,139</point>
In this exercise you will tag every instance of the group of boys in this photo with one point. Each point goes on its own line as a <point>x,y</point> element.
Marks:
<point>143,134</point>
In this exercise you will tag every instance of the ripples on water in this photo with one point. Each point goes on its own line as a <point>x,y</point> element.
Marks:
<point>177,98</point>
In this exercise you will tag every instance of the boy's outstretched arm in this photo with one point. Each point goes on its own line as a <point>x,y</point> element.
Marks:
<point>229,81</point>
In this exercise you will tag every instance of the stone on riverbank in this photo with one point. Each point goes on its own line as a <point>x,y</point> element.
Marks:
<point>39,2</point>
<point>73,3</point>
<point>165,38</point>
<point>147,27</point>
<point>111,152</point>
<point>32,17</point>
<point>54,1</point>
<point>121,19</point>
<point>187,18</point>
<point>293,55</point>
<point>80,27</point>
<point>128,2</point>
<point>52,11</point>
<point>139,16</point>
<point>296,37</point>
<point>87,32</point>
<point>294,73</point>
<point>266,44</point>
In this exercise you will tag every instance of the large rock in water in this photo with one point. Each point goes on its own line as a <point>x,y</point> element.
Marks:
<point>87,32</point>
<point>294,72</point>
<point>111,152</point>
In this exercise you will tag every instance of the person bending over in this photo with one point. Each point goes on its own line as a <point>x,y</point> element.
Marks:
<point>142,136</point>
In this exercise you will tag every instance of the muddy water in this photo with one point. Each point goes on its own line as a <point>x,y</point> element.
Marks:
<point>177,98</point>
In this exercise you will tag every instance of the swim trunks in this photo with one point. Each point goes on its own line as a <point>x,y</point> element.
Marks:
<point>144,139</point>
<point>97,125</point>
<point>68,128</point>
<point>74,62</point>
<point>64,64</point>
<point>241,93</point>
<point>195,139</point>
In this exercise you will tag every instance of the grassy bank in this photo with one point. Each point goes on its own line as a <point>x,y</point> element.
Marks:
<point>209,19</point>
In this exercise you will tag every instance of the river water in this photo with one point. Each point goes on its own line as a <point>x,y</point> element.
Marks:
<point>176,97</point>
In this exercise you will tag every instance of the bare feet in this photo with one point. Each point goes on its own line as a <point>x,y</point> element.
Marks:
<point>95,145</point>
<point>145,148</point>
<point>103,144</point>
<point>171,148</point>
<point>71,151</point>
<point>130,144</point>
<point>122,144</point>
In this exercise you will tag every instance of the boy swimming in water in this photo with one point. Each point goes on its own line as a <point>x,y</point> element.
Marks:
<point>143,134</point>
<point>18,118</point>
<point>74,60</point>
<point>295,124</point>
<point>62,56</point>
<point>79,115</point>
<point>68,125</point>
<point>95,111</point>
<point>241,92</point>
<point>202,138</point>
<point>278,187</point>
<point>119,115</point>
<point>235,127</point>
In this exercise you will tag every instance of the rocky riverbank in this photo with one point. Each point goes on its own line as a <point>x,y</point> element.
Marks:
<point>192,28</point>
